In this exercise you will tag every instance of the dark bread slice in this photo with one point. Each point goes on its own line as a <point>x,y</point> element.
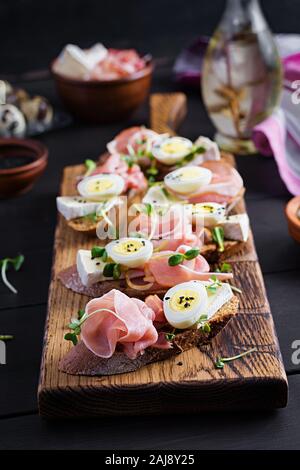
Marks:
<point>81,361</point>
<point>83,224</point>
<point>213,255</point>
<point>70,279</point>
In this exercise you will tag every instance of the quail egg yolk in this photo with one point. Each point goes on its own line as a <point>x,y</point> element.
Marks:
<point>184,300</point>
<point>99,186</point>
<point>204,208</point>
<point>174,147</point>
<point>189,173</point>
<point>128,247</point>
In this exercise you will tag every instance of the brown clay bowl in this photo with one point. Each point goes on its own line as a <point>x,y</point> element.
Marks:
<point>104,101</point>
<point>32,158</point>
<point>291,210</point>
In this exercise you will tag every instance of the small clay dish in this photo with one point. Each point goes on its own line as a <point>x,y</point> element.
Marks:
<point>292,212</point>
<point>22,161</point>
<point>104,101</point>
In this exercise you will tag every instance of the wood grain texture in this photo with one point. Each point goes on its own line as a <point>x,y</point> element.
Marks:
<point>186,383</point>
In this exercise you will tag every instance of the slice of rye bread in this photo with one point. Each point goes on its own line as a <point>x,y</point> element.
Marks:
<point>70,279</point>
<point>81,361</point>
<point>84,224</point>
<point>213,255</point>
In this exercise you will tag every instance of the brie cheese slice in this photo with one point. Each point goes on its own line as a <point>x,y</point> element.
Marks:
<point>217,299</point>
<point>72,207</point>
<point>236,227</point>
<point>90,270</point>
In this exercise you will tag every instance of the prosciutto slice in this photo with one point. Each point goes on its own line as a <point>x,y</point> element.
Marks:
<point>168,231</point>
<point>226,184</point>
<point>133,176</point>
<point>189,270</point>
<point>115,319</point>
<point>135,138</point>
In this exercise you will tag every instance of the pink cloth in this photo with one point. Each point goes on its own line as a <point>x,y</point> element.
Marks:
<point>279,134</point>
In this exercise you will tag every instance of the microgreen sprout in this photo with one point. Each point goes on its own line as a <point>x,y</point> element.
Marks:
<point>170,336</point>
<point>178,258</point>
<point>90,166</point>
<point>202,323</point>
<point>188,158</point>
<point>4,264</point>
<point>76,323</point>
<point>99,252</point>
<point>224,268</point>
<point>214,284</point>
<point>221,361</point>
<point>218,237</point>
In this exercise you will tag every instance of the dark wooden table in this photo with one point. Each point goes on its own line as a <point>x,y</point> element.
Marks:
<point>27,225</point>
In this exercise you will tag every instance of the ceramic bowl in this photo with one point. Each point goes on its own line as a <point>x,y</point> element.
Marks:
<point>30,158</point>
<point>104,101</point>
<point>291,211</point>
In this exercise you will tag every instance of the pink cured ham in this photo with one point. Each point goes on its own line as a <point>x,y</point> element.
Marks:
<point>156,304</point>
<point>188,270</point>
<point>117,64</point>
<point>115,319</point>
<point>136,138</point>
<point>168,231</point>
<point>133,176</point>
<point>226,183</point>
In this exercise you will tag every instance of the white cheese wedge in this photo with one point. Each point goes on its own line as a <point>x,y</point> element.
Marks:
<point>217,299</point>
<point>76,62</point>
<point>72,207</point>
<point>236,227</point>
<point>156,196</point>
<point>90,270</point>
<point>212,151</point>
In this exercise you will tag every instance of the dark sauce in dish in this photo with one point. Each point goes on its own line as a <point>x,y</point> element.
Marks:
<point>8,162</point>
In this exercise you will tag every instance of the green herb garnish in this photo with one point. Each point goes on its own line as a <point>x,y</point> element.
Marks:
<point>221,361</point>
<point>108,270</point>
<point>191,254</point>
<point>71,337</point>
<point>90,166</point>
<point>218,237</point>
<point>129,159</point>
<point>98,252</point>
<point>149,209</point>
<point>214,284</point>
<point>174,260</point>
<point>4,264</point>
<point>75,326</point>
<point>178,258</point>
<point>6,337</point>
<point>153,171</point>
<point>170,336</point>
<point>202,323</point>
<point>224,268</point>
<point>116,272</point>
<point>191,155</point>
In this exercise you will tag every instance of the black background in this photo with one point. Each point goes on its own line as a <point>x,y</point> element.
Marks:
<point>31,34</point>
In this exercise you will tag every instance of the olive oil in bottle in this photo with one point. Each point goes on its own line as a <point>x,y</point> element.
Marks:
<point>241,80</point>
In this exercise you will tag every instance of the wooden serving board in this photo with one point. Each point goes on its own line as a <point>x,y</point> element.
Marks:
<point>188,382</point>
